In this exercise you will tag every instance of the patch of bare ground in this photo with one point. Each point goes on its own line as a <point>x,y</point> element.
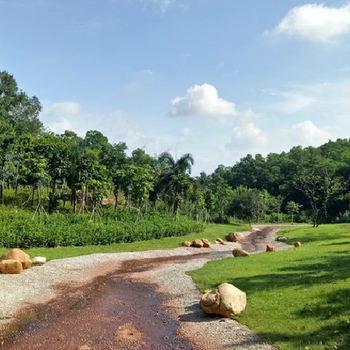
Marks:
<point>140,300</point>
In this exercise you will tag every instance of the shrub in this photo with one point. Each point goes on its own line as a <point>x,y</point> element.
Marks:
<point>17,229</point>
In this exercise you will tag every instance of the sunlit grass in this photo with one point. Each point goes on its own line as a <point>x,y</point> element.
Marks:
<point>299,298</point>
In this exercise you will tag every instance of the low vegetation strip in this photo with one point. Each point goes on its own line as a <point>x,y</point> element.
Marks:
<point>211,232</point>
<point>17,229</point>
<point>298,298</point>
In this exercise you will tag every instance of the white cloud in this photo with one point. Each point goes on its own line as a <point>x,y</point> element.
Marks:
<point>326,99</point>
<point>60,116</point>
<point>315,22</point>
<point>202,100</point>
<point>295,102</point>
<point>306,133</point>
<point>248,138</point>
<point>163,4</point>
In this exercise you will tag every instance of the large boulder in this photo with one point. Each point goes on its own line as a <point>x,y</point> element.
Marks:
<point>225,300</point>
<point>20,255</point>
<point>232,237</point>
<point>206,243</point>
<point>239,253</point>
<point>10,266</point>
<point>197,243</point>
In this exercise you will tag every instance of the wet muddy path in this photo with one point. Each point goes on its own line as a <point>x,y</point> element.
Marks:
<point>115,311</point>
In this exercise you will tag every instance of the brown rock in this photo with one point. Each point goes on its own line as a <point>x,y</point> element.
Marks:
<point>224,243</point>
<point>270,248</point>
<point>232,237</point>
<point>20,255</point>
<point>239,253</point>
<point>219,240</point>
<point>206,243</point>
<point>226,300</point>
<point>186,244</point>
<point>197,243</point>
<point>10,266</point>
<point>297,244</point>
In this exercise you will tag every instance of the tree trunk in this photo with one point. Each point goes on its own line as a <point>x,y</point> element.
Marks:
<point>74,199</point>
<point>2,189</point>
<point>116,200</point>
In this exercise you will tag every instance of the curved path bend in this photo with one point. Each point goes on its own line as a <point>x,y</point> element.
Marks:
<point>139,300</point>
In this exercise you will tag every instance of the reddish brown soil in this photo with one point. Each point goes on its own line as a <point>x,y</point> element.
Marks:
<point>115,311</point>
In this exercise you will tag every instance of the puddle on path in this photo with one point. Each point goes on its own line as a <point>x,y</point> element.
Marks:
<point>113,312</point>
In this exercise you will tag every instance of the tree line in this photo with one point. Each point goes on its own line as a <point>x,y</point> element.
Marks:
<point>302,184</point>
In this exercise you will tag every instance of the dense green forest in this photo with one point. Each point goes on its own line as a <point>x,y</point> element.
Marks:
<point>50,174</point>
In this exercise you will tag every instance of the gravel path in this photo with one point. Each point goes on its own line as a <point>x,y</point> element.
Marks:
<point>181,298</point>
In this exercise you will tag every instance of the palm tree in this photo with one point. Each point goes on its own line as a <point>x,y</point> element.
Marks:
<point>174,180</point>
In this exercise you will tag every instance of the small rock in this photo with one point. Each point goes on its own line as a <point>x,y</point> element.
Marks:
<point>39,261</point>
<point>197,243</point>
<point>206,243</point>
<point>270,248</point>
<point>282,238</point>
<point>20,255</point>
<point>10,266</point>
<point>186,244</point>
<point>297,244</point>
<point>232,237</point>
<point>225,300</point>
<point>239,253</point>
<point>219,240</point>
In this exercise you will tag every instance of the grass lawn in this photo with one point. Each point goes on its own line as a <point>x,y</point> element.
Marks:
<point>299,298</point>
<point>211,232</point>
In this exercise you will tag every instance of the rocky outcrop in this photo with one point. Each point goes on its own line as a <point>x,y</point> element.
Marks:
<point>206,243</point>
<point>297,244</point>
<point>239,253</point>
<point>10,266</point>
<point>270,248</point>
<point>232,237</point>
<point>197,243</point>
<point>225,300</point>
<point>20,255</point>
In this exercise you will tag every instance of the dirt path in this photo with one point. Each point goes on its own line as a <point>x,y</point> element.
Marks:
<point>146,303</point>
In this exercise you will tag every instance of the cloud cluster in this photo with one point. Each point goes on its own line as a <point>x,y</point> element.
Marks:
<point>315,22</point>
<point>248,138</point>
<point>307,133</point>
<point>202,100</point>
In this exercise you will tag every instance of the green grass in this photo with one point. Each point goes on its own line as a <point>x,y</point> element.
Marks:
<point>299,298</point>
<point>211,232</point>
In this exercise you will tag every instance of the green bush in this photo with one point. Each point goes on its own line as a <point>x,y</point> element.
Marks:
<point>17,229</point>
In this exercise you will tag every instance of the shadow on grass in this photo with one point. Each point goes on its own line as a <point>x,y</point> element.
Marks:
<point>333,268</point>
<point>334,336</point>
<point>330,311</point>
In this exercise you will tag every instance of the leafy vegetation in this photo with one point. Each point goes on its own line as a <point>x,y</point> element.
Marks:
<point>299,298</point>
<point>212,231</point>
<point>17,229</point>
<point>66,176</point>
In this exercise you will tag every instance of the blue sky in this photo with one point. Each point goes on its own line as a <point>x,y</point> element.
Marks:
<point>215,78</point>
